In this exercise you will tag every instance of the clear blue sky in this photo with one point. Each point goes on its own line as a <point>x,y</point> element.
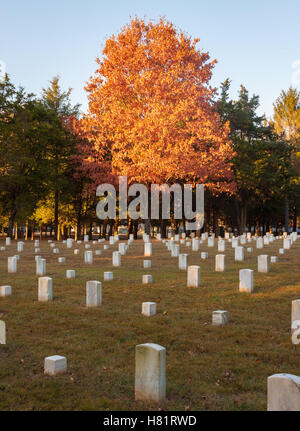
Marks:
<point>254,41</point>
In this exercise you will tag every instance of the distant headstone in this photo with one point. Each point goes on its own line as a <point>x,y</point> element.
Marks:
<point>148,249</point>
<point>70,273</point>
<point>239,253</point>
<point>88,256</point>
<point>116,258</point>
<point>147,279</point>
<point>220,262</point>
<point>5,290</point>
<point>193,276</point>
<point>40,266</point>
<point>12,264</point>
<point>183,261</point>
<point>54,365</point>
<point>219,317</point>
<point>108,276</point>
<point>263,263</point>
<point>149,308</point>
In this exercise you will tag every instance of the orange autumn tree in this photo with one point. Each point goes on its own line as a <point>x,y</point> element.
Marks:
<point>150,101</point>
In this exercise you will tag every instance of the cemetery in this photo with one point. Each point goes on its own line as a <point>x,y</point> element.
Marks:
<point>149,209</point>
<point>106,340</point>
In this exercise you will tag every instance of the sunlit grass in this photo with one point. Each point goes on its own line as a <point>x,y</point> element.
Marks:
<point>208,367</point>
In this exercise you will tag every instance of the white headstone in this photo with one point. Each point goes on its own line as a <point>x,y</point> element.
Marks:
<point>147,279</point>
<point>211,241</point>
<point>263,262</point>
<point>195,244</point>
<point>93,293</point>
<point>283,392</point>
<point>40,266</point>
<point>193,276</point>
<point>219,317</point>
<point>122,248</point>
<point>221,245</point>
<point>20,246</point>
<point>246,280</point>
<point>148,249</point>
<point>12,264</point>
<point>239,253</point>
<point>116,258</point>
<point>108,276</point>
<point>175,250</point>
<point>88,256</point>
<point>2,332</point>
<point>70,273</point>
<point>149,308</point>
<point>259,242</point>
<point>54,365</point>
<point>150,372</point>
<point>183,261</point>
<point>45,289</point>
<point>220,263</point>
<point>5,290</point>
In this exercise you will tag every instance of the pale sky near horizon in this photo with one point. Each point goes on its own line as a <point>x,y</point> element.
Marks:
<point>256,43</point>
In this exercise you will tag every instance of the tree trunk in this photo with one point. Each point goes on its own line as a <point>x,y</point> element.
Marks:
<point>58,234</point>
<point>56,227</point>
<point>104,228</point>
<point>26,230</point>
<point>135,228</point>
<point>16,231</point>
<point>91,231</point>
<point>147,227</point>
<point>295,219</point>
<point>11,222</point>
<point>163,228</point>
<point>241,209</point>
<point>286,215</point>
<point>129,227</point>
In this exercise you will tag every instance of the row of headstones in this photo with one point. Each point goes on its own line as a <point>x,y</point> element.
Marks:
<point>260,243</point>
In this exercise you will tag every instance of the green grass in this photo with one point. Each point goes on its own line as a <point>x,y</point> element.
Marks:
<point>208,368</point>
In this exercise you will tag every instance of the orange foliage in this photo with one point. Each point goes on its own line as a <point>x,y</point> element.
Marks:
<point>150,103</point>
<point>92,164</point>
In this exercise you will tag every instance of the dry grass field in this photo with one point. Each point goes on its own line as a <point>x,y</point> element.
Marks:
<point>208,368</point>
